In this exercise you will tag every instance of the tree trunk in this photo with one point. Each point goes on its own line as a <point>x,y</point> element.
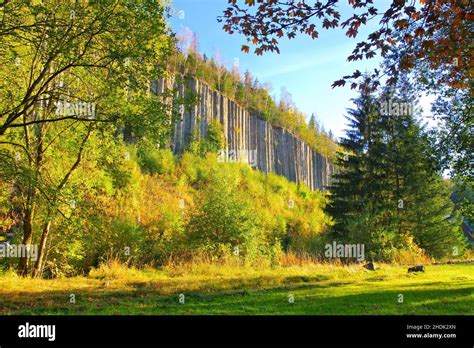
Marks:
<point>39,264</point>
<point>27,239</point>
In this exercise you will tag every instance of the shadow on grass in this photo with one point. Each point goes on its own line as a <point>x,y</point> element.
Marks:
<point>309,299</point>
<point>229,284</point>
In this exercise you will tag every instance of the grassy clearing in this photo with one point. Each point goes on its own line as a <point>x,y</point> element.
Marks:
<point>214,289</point>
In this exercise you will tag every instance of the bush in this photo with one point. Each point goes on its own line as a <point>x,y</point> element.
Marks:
<point>225,221</point>
<point>156,161</point>
<point>181,210</point>
<point>213,142</point>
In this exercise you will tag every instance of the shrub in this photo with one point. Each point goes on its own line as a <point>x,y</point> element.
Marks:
<point>224,220</point>
<point>211,143</point>
<point>156,161</point>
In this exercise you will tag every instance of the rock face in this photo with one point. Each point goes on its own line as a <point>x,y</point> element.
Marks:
<point>249,138</point>
<point>370,266</point>
<point>418,268</point>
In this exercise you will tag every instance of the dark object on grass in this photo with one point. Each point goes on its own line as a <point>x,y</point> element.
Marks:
<point>418,268</point>
<point>370,266</point>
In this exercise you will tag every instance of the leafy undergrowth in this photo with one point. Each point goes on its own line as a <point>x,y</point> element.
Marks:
<point>217,289</point>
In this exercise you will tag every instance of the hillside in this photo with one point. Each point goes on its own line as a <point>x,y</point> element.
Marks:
<point>250,94</point>
<point>247,137</point>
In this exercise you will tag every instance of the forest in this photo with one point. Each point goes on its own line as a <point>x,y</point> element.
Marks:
<point>91,191</point>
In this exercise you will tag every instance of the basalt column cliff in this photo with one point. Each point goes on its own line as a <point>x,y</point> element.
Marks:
<point>248,137</point>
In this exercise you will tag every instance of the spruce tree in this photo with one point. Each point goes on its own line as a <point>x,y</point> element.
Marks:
<point>312,123</point>
<point>360,204</point>
<point>424,209</point>
<point>387,193</point>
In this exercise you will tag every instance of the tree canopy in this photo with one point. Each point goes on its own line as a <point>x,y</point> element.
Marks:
<point>435,33</point>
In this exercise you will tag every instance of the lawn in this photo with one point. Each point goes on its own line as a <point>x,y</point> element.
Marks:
<point>212,289</point>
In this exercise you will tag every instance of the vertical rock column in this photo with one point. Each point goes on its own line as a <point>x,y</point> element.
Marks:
<point>276,150</point>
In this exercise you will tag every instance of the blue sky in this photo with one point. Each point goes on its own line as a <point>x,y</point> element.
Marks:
<point>305,67</point>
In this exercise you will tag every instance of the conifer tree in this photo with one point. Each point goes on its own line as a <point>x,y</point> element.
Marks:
<point>388,193</point>
<point>424,209</point>
<point>312,123</point>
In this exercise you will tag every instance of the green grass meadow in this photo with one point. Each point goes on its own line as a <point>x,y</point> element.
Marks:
<point>316,289</point>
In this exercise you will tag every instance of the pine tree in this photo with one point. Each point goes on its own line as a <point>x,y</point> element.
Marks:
<point>358,204</point>
<point>312,123</point>
<point>387,193</point>
<point>247,79</point>
<point>423,203</point>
